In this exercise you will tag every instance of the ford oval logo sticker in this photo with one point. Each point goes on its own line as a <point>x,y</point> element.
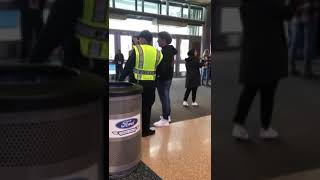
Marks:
<point>127,123</point>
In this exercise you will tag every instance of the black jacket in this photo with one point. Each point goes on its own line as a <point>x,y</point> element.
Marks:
<point>119,59</point>
<point>166,67</point>
<point>59,31</point>
<point>193,72</point>
<point>128,68</point>
<point>264,51</point>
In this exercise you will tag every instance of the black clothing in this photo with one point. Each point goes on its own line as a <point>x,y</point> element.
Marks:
<point>166,67</point>
<point>264,51</point>
<point>148,98</point>
<point>59,31</point>
<point>31,24</point>
<point>194,94</point>
<point>193,78</point>
<point>118,61</point>
<point>267,94</point>
<point>128,68</point>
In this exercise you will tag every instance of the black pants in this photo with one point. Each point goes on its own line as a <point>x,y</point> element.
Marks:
<point>148,98</point>
<point>31,24</point>
<point>194,94</point>
<point>119,70</point>
<point>267,93</point>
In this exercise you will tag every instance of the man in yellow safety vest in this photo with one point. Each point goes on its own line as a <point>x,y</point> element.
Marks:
<point>143,61</point>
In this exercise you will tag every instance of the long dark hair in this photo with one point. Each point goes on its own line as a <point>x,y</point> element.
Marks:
<point>191,53</point>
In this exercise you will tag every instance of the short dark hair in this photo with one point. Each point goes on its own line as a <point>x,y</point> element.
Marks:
<point>146,35</point>
<point>166,36</point>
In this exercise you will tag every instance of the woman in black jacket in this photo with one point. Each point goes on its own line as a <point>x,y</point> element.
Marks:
<point>193,79</point>
<point>264,60</point>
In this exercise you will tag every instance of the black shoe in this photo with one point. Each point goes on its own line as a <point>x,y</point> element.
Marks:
<point>148,133</point>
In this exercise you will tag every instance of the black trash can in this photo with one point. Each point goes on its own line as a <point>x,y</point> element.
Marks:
<point>124,128</point>
<point>50,123</point>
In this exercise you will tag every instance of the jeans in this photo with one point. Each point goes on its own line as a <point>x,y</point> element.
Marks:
<point>205,75</point>
<point>163,87</point>
<point>305,31</point>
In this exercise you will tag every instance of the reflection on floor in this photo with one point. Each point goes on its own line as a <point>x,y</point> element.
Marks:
<point>181,151</point>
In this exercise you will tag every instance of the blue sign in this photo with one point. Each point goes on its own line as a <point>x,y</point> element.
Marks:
<point>127,123</point>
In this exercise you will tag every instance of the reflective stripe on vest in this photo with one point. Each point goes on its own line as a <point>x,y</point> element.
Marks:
<point>147,60</point>
<point>93,30</point>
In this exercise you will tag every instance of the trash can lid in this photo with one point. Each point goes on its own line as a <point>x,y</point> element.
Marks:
<point>118,89</point>
<point>26,87</point>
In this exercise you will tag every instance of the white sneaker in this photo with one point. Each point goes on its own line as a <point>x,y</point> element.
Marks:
<point>185,103</point>
<point>240,132</point>
<point>161,123</point>
<point>268,134</point>
<point>169,119</point>
<point>195,104</point>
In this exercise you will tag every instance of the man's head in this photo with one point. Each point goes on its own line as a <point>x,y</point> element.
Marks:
<point>164,38</point>
<point>135,40</point>
<point>145,37</point>
<point>119,51</point>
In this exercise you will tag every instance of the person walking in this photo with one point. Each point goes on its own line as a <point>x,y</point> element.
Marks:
<point>81,28</point>
<point>164,77</point>
<point>193,77</point>
<point>31,15</point>
<point>304,26</point>
<point>118,61</point>
<point>143,62</point>
<point>263,62</point>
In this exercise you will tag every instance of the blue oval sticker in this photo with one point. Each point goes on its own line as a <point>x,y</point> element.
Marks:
<point>127,123</point>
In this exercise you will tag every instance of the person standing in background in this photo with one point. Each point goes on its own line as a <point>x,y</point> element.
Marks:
<point>193,79</point>
<point>164,77</point>
<point>31,12</point>
<point>135,42</point>
<point>263,61</point>
<point>205,68</point>
<point>118,61</point>
<point>304,26</point>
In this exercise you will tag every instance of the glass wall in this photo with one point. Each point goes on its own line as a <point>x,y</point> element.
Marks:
<point>175,11</point>
<point>126,45</point>
<point>175,8</point>
<point>150,7</point>
<point>125,4</point>
<point>111,46</point>
<point>184,48</point>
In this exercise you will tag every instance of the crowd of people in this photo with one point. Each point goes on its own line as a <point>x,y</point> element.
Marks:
<point>266,53</point>
<point>197,71</point>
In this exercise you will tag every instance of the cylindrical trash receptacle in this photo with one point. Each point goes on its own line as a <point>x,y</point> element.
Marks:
<point>50,123</point>
<point>124,128</point>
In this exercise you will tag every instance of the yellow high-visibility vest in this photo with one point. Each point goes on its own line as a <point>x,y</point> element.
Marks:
<point>93,29</point>
<point>147,60</point>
